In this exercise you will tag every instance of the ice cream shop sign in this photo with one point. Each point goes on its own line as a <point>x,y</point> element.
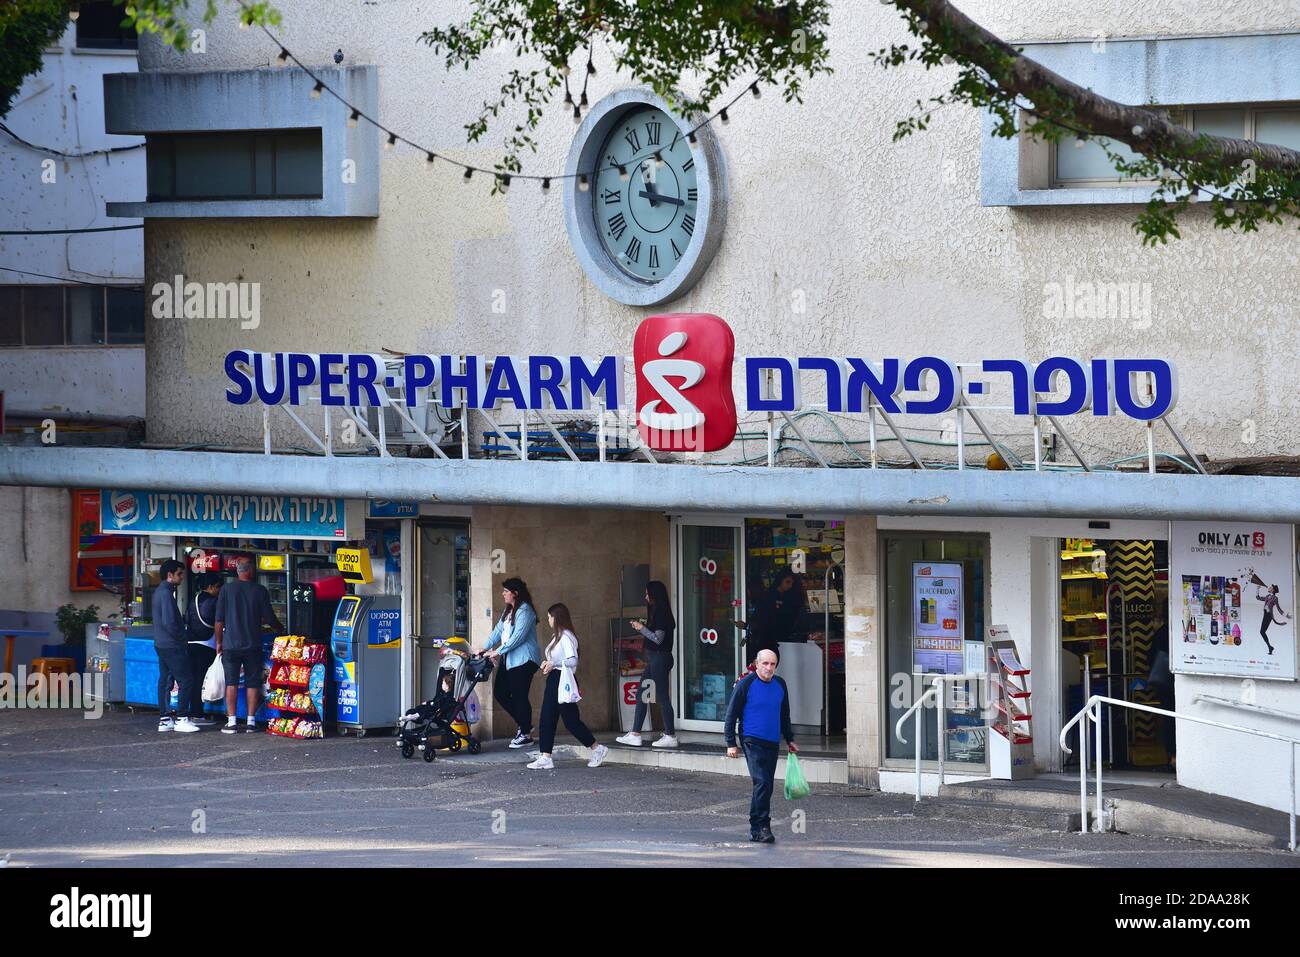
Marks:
<point>683,365</point>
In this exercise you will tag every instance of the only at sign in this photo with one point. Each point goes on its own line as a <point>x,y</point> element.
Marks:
<point>354,563</point>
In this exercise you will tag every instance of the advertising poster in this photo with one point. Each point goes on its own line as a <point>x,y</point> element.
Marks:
<point>1232,600</point>
<point>937,646</point>
<point>98,561</point>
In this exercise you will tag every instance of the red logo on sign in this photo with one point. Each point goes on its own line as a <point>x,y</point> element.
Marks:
<point>630,691</point>
<point>683,382</point>
<point>1257,540</point>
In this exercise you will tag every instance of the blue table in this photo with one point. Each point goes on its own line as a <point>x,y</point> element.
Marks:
<point>9,635</point>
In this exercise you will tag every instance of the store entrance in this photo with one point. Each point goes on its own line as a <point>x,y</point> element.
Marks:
<point>783,578</point>
<point>1115,641</point>
<point>442,598</point>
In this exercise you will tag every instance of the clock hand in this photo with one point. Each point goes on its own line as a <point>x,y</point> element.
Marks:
<point>660,197</point>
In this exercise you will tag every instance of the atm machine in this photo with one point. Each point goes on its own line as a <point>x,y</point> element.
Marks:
<point>366,643</point>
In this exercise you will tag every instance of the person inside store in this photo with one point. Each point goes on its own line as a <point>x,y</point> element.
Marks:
<point>515,637</point>
<point>173,655</point>
<point>560,699</point>
<point>200,617</point>
<point>758,716</point>
<point>657,630</point>
<point>243,607</point>
<point>777,617</point>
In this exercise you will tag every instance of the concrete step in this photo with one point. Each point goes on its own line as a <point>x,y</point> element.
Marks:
<point>1166,811</point>
<point>816,770</point>
<point>988,812</point>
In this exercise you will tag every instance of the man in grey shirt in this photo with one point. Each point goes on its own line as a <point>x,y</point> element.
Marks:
<point>243,606</point>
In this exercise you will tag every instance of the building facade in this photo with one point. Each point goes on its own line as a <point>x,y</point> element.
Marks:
<point>815,237</point>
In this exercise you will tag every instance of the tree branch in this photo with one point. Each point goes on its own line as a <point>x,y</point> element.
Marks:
<point>1017,74</point>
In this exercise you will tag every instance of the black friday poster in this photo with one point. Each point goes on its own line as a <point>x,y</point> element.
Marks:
<point>1231,597</point>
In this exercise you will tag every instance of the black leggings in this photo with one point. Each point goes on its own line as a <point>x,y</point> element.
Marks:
<point>657,669</point>
<point>1263,629</point>
<point>553,711</point>
<point>511,692</point>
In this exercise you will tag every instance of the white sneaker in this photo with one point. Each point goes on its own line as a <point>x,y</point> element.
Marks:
<point>186,725</point>
<point>597,756</point>
<point>631,739</point>
<point>667,741</point>
<point>166,724</point>
<point>543,763</point>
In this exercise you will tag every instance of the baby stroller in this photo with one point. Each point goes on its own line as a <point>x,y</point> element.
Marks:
<point>443,722</point>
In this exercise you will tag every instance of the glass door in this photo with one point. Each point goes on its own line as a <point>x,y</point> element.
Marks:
<point>710,594</point>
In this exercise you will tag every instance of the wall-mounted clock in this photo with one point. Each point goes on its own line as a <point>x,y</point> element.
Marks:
<point>644,234</point>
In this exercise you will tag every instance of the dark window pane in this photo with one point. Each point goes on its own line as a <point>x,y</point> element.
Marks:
<point>11,316</point>
<point>298,163</point>
<point>158,161</point>
<point>99,27</point>
<point>219,166</point>
<point>43,316</point>
<point>86,316</point>
<point>126,317</point>
<point>264,165</point>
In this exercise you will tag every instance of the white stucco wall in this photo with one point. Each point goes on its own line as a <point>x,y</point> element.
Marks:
<point>886,244</point>
<point>62,107</point>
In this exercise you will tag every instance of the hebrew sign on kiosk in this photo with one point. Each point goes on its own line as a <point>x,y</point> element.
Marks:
<point>1232,600</point>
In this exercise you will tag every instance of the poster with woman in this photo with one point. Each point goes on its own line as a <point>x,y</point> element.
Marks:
<point>1232,599</point>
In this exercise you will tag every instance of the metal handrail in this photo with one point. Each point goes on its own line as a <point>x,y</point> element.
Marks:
<point>916,710</point>
<point>1246,706</point>
<point>936,691</point>
<point>1094,704</point>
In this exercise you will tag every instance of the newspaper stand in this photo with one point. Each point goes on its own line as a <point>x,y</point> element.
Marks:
<point>1011,746</point>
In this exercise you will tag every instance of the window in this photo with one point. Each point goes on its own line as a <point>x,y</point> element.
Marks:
<point>284,164</point>
<point>99,27</point>
<point>1085,163</point>
<point>71,316</point>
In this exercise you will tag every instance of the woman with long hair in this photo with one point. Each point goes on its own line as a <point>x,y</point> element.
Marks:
<point>658,634</point>
<point>776,617</point>
<point>560,699</point>
<point>515,637</point>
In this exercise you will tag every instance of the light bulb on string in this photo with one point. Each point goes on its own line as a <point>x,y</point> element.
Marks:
<point>577,114</point>
<point>392,141</point>
<point>722,115</point>
<point>546,184</point>
<point>623,173</point>
<point>583,100</point>
<point>583,185</point>
<point>503,182</point>
<point>753,88</point>
<point>74,11</point>
<point>469,172</point>
<point>315,90</point>
<point>283,58</point>
<point>659,159</point>
<point>352,120</point>
<point>431,158</point>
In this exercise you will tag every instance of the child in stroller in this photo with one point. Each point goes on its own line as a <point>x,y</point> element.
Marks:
<point>442,723</point>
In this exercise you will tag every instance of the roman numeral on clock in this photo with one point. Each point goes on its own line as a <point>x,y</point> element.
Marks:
<point>617,226</point>
<point>692,194</point>
<point>689,164</point>
<point>654,257</point>
<point>652,132</point>
<point>612,196</point>
<point>634,250</point>
<point>688,225</point>
<point>633,140</point>
<point>677,253</point>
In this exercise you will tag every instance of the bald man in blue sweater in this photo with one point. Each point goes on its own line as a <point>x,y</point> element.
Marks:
<point>760,704</point>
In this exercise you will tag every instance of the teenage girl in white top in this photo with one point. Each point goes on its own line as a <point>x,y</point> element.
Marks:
<point>562,652</point>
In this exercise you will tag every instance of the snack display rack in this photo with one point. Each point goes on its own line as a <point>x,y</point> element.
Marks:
<point>1011,746</point>
<point>297,688</point>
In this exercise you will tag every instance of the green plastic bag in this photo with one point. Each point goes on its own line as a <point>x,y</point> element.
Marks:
<point>796,785</point>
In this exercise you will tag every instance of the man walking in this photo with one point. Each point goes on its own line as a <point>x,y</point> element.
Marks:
<point>173,654</point>
<point>760,704</point>
<point>243,606</point>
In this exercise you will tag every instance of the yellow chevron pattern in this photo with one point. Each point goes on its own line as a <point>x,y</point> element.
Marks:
<point>1132,565</point>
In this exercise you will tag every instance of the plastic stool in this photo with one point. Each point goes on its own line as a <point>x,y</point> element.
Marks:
<point>52,666</point>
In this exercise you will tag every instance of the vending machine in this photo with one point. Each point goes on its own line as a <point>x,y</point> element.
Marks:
<point>365,643</point>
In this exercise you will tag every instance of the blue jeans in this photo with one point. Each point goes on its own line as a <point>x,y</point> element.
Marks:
<point>174,665</point>
<point>761,757</point>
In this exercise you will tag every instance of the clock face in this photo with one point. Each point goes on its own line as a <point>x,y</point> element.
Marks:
<point>646,222</point>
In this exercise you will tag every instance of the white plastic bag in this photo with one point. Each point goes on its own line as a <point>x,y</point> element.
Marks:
<point>214,682</point>
<point>568,686</point>
<point>472,710</point>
